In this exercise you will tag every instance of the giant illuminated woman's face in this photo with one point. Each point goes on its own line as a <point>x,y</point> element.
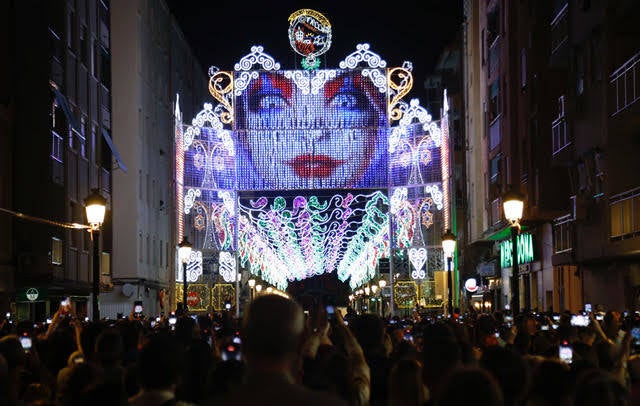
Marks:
<point>299,138</point>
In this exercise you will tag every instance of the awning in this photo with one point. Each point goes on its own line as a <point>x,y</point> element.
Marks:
<point>64,105</point>
<point>114,150</point>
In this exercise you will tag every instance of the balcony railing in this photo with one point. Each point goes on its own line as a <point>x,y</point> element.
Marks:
<point>625,84</point>
<point>559,135</point>
<point>57,144</point>
<point>560,28</point>
<point>625,214</point>
<point>563,228</point>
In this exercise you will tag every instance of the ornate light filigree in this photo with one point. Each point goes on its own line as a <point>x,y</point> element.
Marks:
<point>221,88</point>
<point>378,78</point>
<point>190,198</point>
<point>227,266</point>
<point>194,267</point>
<point>400,82</point>
<point>417,257</point>
<point>363,54</point>
<point>436,194</point>
<point>256,56</point>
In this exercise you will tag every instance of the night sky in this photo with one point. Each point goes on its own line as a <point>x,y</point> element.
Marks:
<point>221,32</point>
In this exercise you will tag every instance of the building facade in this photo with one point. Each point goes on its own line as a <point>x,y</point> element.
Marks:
<point>551,114</point>
<point>55,145</point>
<point>152,62</point>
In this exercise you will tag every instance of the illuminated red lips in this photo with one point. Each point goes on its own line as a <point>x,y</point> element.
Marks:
<point>314,166</point>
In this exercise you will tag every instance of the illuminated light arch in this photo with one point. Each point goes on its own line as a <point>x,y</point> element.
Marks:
<point>243,194</point>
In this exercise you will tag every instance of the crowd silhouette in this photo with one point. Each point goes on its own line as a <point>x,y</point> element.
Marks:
<point>279,354</point>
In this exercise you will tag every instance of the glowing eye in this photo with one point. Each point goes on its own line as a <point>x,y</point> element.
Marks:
<point>345,101</point>
<point>272,102</point>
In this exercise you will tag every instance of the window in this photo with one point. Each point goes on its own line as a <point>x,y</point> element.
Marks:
<point>56,146</point>
<point>82,141</point>
<point>56,251</point>
<point>83,52</point>
<point>494,100</point>
<point>495,169</point>
<point>105,264</point>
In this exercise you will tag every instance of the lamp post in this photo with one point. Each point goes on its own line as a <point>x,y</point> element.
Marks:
<point>184,253</point>
<point>252,284</point>
<point>95,207</point>
<point>374,290</point>
<point>258,289</point>
<point>513,204</point>
<point>449,246</point>
<point>382,283</point>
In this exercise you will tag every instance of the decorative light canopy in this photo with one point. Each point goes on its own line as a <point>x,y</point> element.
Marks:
<point>273,133</point>
<point>95,207</point>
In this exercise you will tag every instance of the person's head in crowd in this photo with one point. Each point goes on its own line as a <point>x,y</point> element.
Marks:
<point>13,353</point>
<point>109,348</point>
<point>103,394</point>
<point>469,385</point>
<point>369,330</point>
<point>599,388</point>
<point>72,384</point>
<point>198,362</point>
<point>224,378</point>
<point>405,384</point>
<point>611,324</point>
<point>160,363</point>
<point>185,330</point>
<point>510,370</point>
<point>271,333</point>
<point>88,337</point>
<point>441,354</point>
<point>550,384</point>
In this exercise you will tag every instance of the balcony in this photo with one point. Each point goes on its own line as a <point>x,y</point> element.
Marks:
<point>625,85</point>
<point>559,136</point>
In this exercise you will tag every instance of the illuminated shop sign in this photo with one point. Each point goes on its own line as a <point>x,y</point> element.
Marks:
<point>525,250</point>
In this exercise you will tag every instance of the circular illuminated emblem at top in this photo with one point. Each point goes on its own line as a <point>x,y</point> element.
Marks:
<point>309,35</point>
<point>471,285</point>
<point>32,294</point>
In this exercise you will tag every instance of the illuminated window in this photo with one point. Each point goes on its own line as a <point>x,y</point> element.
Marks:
<point>56,251</point>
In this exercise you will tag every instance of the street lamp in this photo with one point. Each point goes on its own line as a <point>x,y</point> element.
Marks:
<point>382,283</point>
<point>449,246</point>
<point>513,204</point>
<point>258,289</point>
<point>95,206</point>
<point>184,253</point>
<point>252,284</point>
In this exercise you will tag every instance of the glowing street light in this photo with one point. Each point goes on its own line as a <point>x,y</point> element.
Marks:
<point>184,253</point>
<point>513,204</point>
<point>95,206</point>
<point>449,246</point>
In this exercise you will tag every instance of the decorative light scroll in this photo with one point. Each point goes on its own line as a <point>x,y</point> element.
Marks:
<point>190,198</point>
<point>400,82</point>
<point>362,54</point>
<point>417,257</point>
<point>310,81</point>
<point>194,267</point>
<point>244,66</point>
<point>221,88</point>
<point>227,267</point>
<point>288,240</point>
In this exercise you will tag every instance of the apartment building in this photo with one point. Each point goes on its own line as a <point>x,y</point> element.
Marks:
<point>55,142</point>
<point>152,63</point>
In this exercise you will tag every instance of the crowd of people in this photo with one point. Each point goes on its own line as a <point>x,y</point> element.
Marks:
<point>280,354</point>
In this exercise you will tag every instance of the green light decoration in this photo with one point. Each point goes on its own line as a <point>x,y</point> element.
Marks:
<point>293,240</point>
